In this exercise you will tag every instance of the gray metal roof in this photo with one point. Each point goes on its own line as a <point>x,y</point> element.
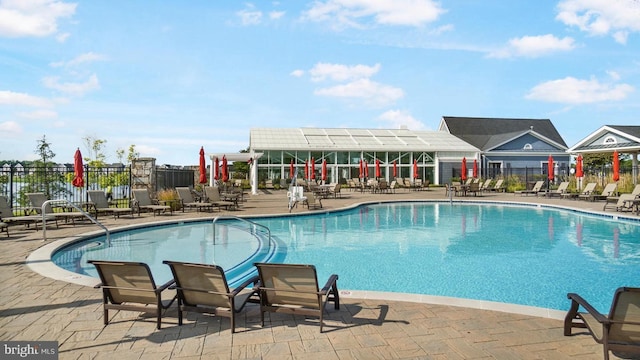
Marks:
<point>628,140</point>
<point>345,139</point>
<point>485,133</point>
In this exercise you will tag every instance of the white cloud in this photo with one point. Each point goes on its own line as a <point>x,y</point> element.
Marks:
<point>250,16</point>
<point>77,89</point>
<point>80,59</point>
<point>10,128</point>
<point>399,118</point>
<point>370,91</point>
<point>575,91</point>
<point>354,13</point>
<point>339,72</point>
<point>601,17</point>
<point>297,73</point>
<point>534,46</point>
<point>23,18</point>
<point>275,15</point>
<point>39,114</point>
<point>14,98</point>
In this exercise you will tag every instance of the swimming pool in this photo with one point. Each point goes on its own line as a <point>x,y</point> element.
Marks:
<point>528,255</point>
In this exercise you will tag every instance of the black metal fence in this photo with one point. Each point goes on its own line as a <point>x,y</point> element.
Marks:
<point>56,182</point>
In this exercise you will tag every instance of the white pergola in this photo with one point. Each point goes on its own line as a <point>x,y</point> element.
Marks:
<point>249,157</point>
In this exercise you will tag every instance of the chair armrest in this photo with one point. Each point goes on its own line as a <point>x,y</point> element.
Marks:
<point>590,309</point>
<point>253,280</point>
<point>332,281</point>
<point>165,285</point>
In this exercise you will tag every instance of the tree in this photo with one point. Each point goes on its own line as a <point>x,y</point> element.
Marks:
<point>46,178</point>
<point>133,154</point>
<point>596,160</point>
<point>120,155</point>
<point>94,147</point>
<point>44,150</point>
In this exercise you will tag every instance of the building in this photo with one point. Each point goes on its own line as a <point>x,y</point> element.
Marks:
<point>508,144</point>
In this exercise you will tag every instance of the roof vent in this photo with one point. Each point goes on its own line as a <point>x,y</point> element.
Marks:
<point>531,127</point>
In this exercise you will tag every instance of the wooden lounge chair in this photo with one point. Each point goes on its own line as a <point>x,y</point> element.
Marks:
<point>130,286</point>
<point>562,188</point>
<point>187,200</point>
<point>144,202</point>
<point>609,190</point>
<point>618,332</point>
<point>293,289</point>
<point>586,192</point>
<point>203,288</point>
<point>101,205</point>
<point>535,190</point>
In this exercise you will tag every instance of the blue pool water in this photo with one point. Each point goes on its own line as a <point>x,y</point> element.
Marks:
<point>514,254</point>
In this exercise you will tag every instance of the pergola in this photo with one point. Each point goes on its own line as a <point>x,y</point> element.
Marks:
<point>251,158</point>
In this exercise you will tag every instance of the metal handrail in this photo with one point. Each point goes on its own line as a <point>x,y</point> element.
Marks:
<point>67,202</point>
<point>231,217</point>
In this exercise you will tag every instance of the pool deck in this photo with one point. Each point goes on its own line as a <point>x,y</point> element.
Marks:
<point>38,308</point>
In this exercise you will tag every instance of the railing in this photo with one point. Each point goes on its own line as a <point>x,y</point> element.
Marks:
<point>68,203</point>
<point>231,217</point>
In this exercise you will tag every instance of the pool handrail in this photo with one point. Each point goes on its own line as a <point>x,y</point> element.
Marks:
<point>69,203</point>
<point>232,217</point>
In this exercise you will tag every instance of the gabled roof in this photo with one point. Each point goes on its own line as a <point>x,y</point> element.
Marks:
<point>629,139</point>
<point>350,139</point>
<point>487,133</point>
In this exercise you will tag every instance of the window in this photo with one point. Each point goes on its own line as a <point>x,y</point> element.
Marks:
<point>527,147</point>
<point>609,140</point>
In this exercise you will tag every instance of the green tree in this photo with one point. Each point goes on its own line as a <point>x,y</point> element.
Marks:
<point>133,154</point>
<point>45,177</point>
<point>95,148</point>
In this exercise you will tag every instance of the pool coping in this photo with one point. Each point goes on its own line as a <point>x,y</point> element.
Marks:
<point>40,261</point>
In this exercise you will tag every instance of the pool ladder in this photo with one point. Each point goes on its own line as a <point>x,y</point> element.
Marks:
<point>68,203</point>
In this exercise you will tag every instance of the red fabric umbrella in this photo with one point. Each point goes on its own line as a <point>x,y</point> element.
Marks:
<point>291,169</point>
<point>463,176</point>
<point>415,168</point>
<point>579,172</point>
<point>324,170</point>
<point>225,169</point>
<point>313,169</point>
<point>306,169</point>
<point>366,169</point>
<point>78,169</point>
<point>395,169</point>
<point>550,168</point>
<point>216,169</point>
<point>378,174</point>
<point>361,173</point>
<point>475,168</point>
<point>203,167</point>
<point>616,166</point>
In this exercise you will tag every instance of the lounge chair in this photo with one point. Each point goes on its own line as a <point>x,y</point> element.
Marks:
<point>311,201</point>
<point>535,190</point>
<point>562,188</point>
<point>144,202</point>
<point>203,288</point>
<point>486,185</point>
<point>4,227</point>
<point>474,188</point>
<point>187,200</point>
<point>618,332</point>
<point>585,193</point>
<point>627,202</point>
<point>130,286</point>
<point>335,190</point>
<point>499,186</point>
<point>101,205</point>
<point>38,199</point>
<point>7,216</point>
<point>614,200</point>
<point>293,289</point>
<point>608,190</point>
<point>213,197</point>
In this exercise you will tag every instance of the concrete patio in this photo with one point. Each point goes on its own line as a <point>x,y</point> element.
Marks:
<point>34,307</point>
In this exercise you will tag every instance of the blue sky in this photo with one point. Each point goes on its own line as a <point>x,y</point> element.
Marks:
<point>172,76</point>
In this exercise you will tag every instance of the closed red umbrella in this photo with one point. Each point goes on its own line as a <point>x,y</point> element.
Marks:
<point>550,168</point>
<point>313,169</point>
<point>378,174</point>
<point>225,169</point>
<point>395,169</point>
<point>306,169</point>
<point>291,169</point>
<point>463,176</point>
<point>415,169</point>
<point>475,168</point>
<point>579,172</point>
<point>324,170</point>
<point>78,169</point>
<point>616,166</point>
<point>216,169</point>
<point>366,169</point>
<point>203,167</point>
<point>361,173</point>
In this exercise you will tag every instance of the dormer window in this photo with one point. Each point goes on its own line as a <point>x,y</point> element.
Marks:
<point>528,147</point>
<point>610,140</point>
